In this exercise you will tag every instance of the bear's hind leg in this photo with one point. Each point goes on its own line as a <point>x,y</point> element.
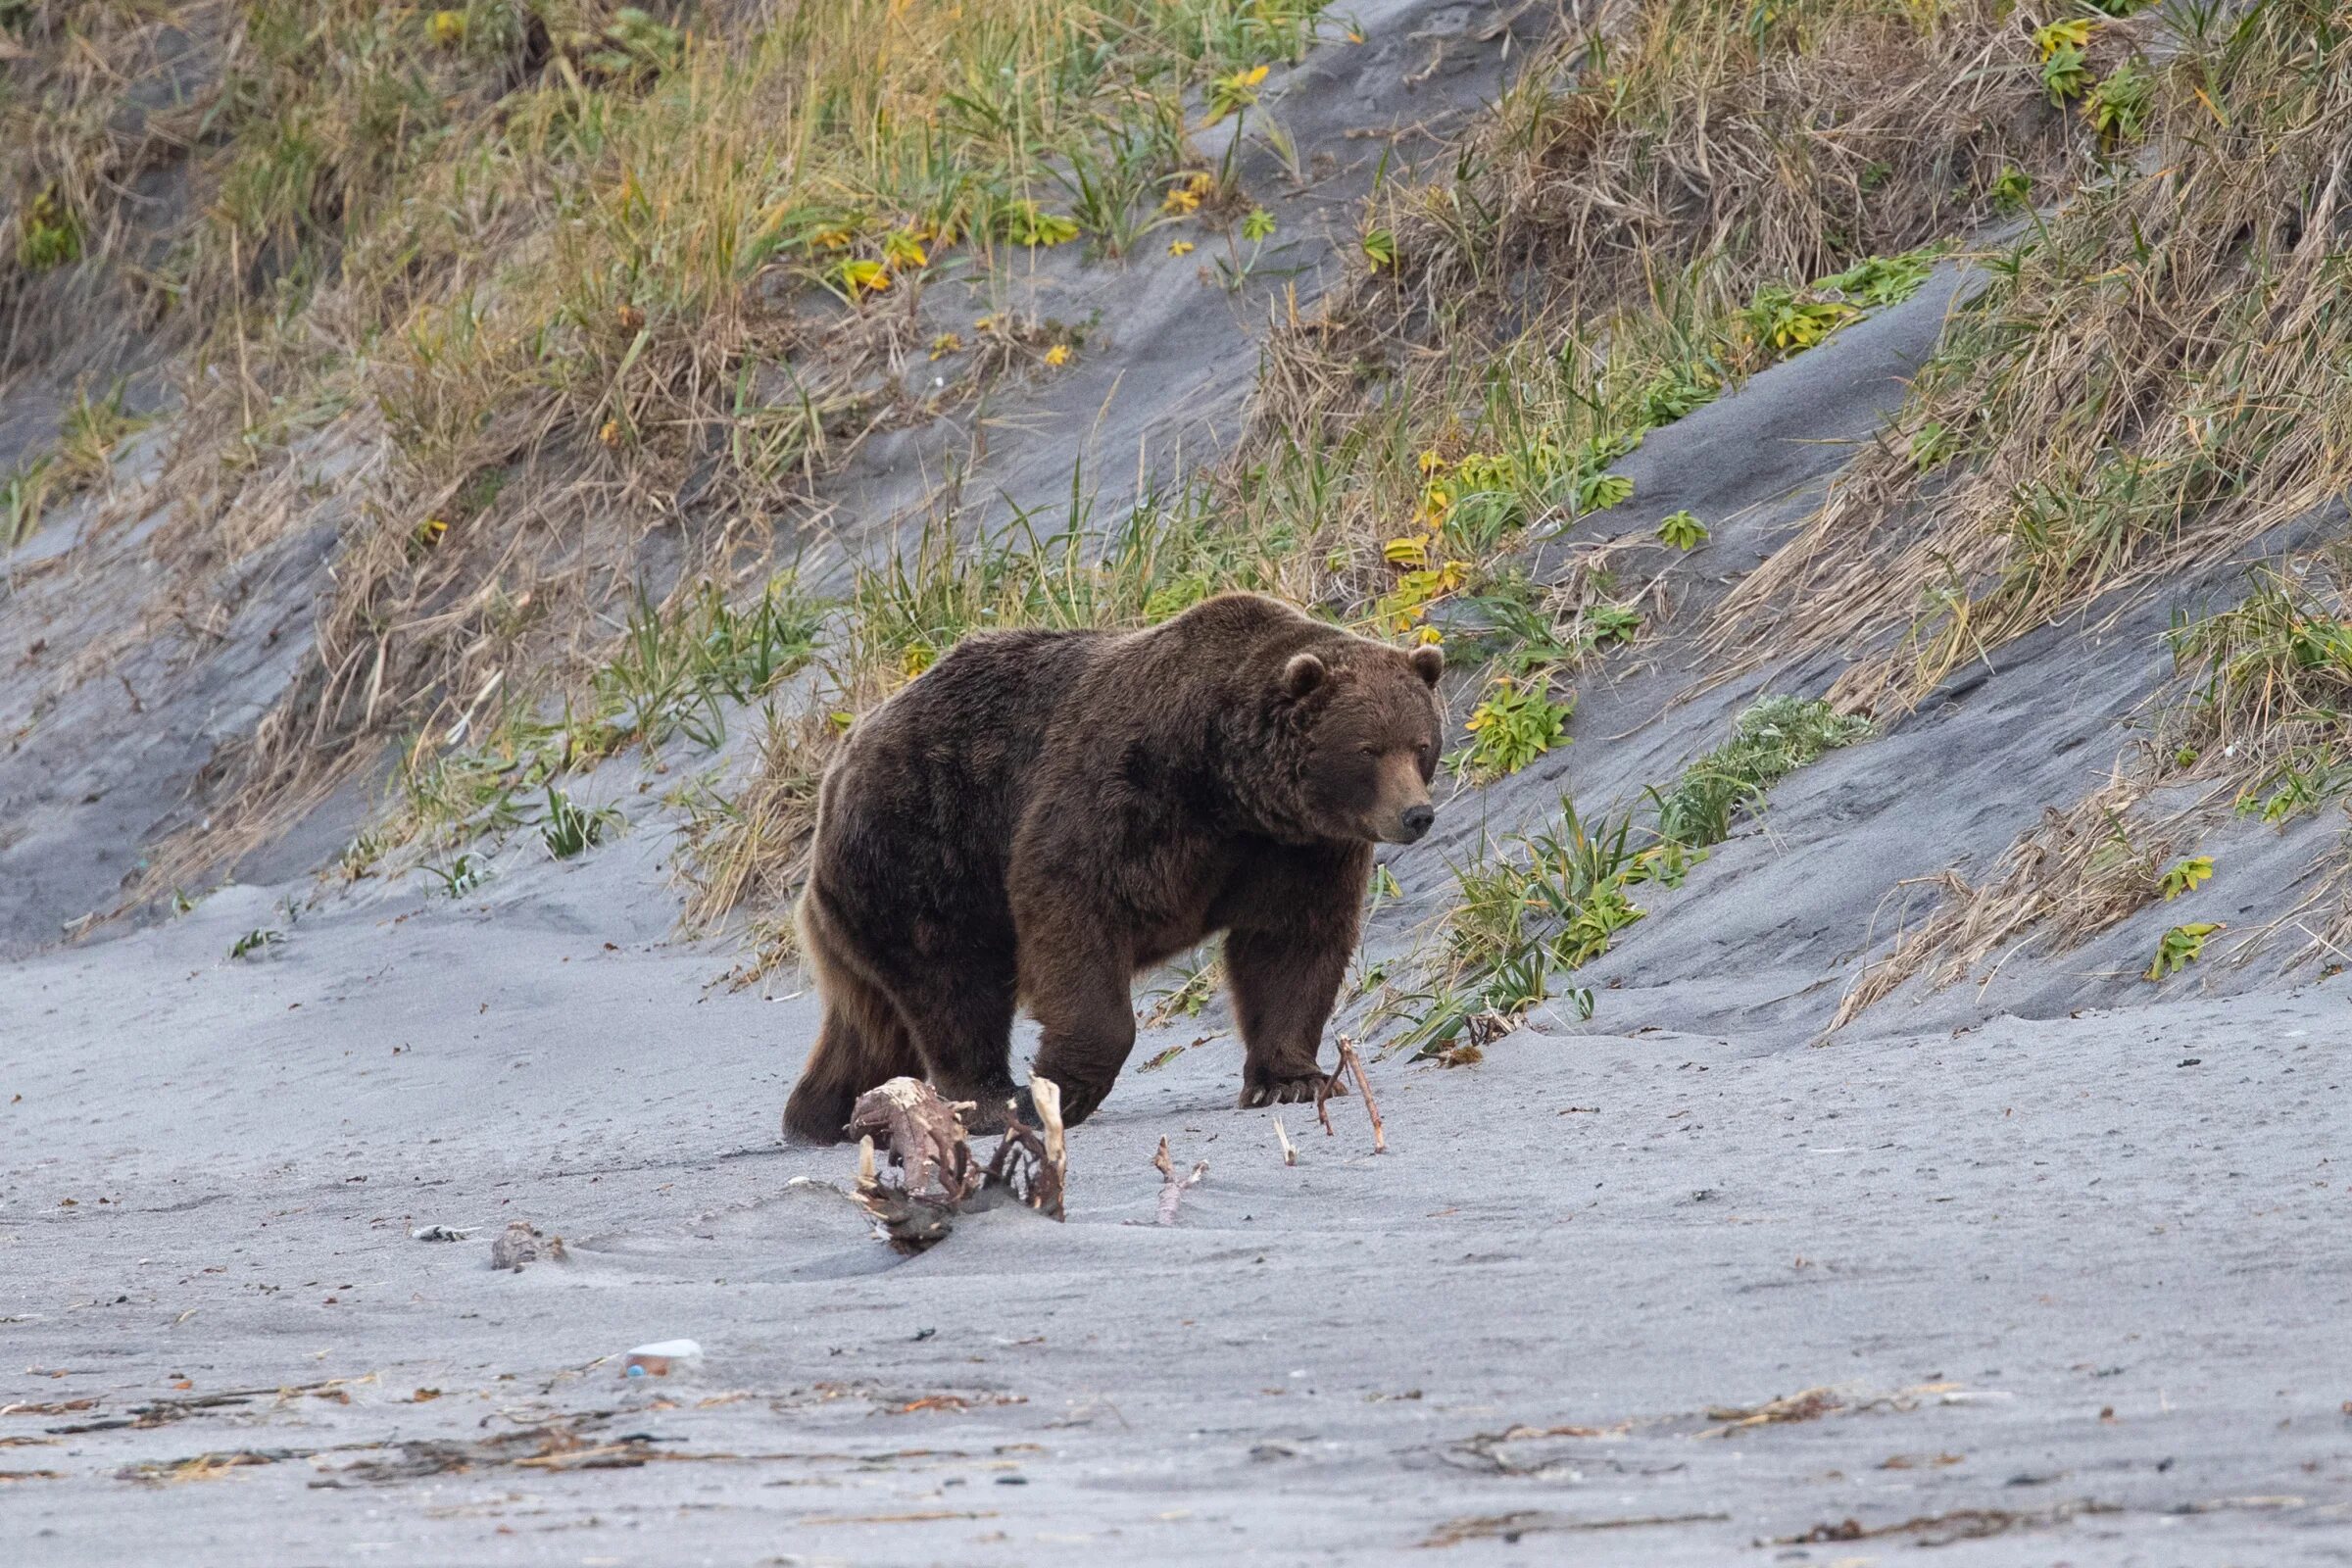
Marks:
<point>848,1058</point>
<point>861,1043</point>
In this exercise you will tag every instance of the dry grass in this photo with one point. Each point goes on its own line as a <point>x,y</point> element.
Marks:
<point>2149,382</point>
<point>2254,724</point>
<point>554,288</point>
<point>2074,875</point>
<point>1682,147</point>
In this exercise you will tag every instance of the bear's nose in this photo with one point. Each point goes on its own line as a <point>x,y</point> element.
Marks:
<point>1416,821</point>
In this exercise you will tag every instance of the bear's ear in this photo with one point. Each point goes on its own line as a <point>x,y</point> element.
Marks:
<point>1302,675</point>
<point>1429,661</point>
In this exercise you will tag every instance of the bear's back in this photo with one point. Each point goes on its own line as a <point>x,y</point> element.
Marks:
<point>954,748</point>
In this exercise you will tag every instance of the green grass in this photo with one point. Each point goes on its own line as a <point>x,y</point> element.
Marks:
<point>1770,740</point>
<point>1551,901</point>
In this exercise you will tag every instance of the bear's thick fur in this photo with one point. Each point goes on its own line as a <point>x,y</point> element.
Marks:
<point>1046,814</point>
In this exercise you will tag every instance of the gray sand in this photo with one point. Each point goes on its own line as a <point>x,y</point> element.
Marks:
<point>2041,1268</point>
<point>2050,1271</point>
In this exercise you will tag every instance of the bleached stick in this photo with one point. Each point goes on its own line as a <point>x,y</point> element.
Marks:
<point>1354,1064</point>
<point>1171,1192</point>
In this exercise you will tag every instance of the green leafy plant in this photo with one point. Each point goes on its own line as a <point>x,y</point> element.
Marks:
<point>1600,492</point>
<point>2118,107</point>
<point>1683,530</point>
<point>2065,74</point>
<point>1876,281</point>
<point>1024,222</point>
<point>1772,740</point>
<point>2187,876</point>
<point>2180,947</point>
<point>1933,445</point>
<point>461,875</point>
<point>1603,624</point>
<point>1788,321</point>
<point>258,940</point>
<point>48,234</point>
<point>1513,724</point>
<point>569,829</point>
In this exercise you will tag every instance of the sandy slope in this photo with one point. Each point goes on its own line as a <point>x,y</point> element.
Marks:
<point>2059,1248</point>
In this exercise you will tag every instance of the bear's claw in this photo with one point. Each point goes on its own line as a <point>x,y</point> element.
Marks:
<point>1290,1091</point>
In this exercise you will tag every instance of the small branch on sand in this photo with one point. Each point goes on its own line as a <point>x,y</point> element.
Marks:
<point>1355,1064</point>
<point>1290,1151</point>
<point>1329,1086</point>
<point>1171,1192</point>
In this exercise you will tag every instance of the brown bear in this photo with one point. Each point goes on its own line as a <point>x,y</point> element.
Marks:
<point>1045,814</point>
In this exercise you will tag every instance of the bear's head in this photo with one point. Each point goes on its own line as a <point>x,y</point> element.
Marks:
<point>1370,728</point>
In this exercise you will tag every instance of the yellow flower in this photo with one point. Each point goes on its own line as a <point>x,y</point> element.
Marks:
<point>1180,247</point>
<point>1431,463</point>
<point>1202,183</point>
<point>1059,354</point>
<point>610,433</point>
<point>1409,550</point>
<point>1179,202</point>
<point>830,239</point>
<point>902,250</point>
<point>1428,637</point>
<point>446,28</point>
<point>945,344</point>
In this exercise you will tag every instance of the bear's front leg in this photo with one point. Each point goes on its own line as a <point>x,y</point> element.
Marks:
<point>1284,984</point>
<point>1086,1018</point>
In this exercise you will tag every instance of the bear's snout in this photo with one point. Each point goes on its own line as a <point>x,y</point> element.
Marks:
<point>1415,822</point>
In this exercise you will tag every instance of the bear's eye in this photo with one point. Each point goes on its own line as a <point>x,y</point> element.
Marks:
<point>1369,750</point>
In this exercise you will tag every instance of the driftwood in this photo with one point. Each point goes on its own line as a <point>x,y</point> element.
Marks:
<point>1030,1167</point>
<point>923,1136</point>
<point>522,1243</point>
<point>921,1176</point>
<point>1172,1186</point>
<point>1353,1063</point>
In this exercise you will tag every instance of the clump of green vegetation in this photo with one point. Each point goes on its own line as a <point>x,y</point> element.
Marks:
<point>258,941</point>
<point>1770,740</point>
<point>2268,693</point>
<point>1556,900</point>
<point>1513,724</point>
<point>1681,530</point>
<point>568,828</point>
<point>673,676</point>
<point>47,233</point>
<point>2180,947</point>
